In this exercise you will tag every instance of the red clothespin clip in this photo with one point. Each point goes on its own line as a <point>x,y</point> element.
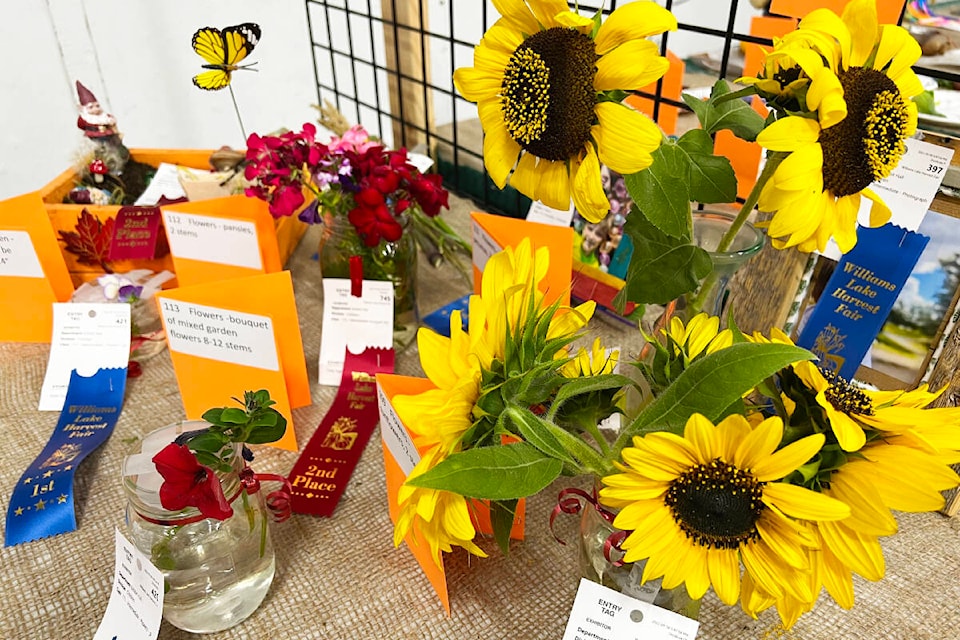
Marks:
<point>356,276</point>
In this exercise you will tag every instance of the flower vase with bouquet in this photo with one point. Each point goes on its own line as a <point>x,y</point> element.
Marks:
<point>376,208</point>
<point>741,466</point>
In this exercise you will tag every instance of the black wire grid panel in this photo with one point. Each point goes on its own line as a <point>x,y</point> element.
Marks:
<point>388,65</point>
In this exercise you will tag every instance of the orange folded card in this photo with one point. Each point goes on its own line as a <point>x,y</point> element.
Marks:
<point>234,336</point>
<point>33,274</point>
<point>399,457</point>
<point>219,239</point>
<point>492,233</point>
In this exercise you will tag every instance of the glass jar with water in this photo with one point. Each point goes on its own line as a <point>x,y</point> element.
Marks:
<point>216,572</point>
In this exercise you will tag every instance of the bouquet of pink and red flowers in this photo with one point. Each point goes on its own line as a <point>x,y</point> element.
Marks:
<point>352,175</point>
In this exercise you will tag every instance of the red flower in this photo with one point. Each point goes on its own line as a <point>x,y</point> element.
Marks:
<point>187,483</point>
<point>373,219</point>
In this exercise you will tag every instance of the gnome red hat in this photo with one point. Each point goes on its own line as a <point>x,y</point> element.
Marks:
<point>86,96</point>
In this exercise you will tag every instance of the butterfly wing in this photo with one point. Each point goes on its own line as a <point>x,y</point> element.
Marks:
<point>239,41</point>
<point>212,80</point>
<point>208,43</point>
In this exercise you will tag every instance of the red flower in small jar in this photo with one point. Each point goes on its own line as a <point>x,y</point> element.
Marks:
<point>187,483</point>
<point>373,219</point>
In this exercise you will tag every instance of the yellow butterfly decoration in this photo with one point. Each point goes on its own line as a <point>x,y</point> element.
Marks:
<point>223,51</point>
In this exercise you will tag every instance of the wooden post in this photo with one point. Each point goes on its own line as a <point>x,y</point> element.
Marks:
<point>407,50</point>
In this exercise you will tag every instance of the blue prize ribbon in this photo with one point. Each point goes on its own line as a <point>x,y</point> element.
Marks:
<point>42,501</point>
<point>439,320</point>
<point>858,297</point>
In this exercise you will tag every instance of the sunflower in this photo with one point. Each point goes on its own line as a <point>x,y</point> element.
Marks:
<point>510,293</point>
<point>700,504</point>
<point>442,517</point>
<point>542,80</point>
<point>851,410</point>
<point>795,80</point>
<point>701,335</point>
<point>816,190</point>
<point>595,362</point>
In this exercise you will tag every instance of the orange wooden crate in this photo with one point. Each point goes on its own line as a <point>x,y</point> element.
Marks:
<point>63,217</point>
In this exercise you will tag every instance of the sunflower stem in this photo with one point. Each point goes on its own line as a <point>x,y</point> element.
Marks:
<point>774,158</point>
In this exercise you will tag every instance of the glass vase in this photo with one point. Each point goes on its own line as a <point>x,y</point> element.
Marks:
<point>709,227</point>
<point>395,262</point>
<point>216,572</point>
<point>595,530</point>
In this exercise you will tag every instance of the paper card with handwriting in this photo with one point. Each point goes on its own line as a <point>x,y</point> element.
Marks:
<point>234,336</point>
<point>33,274</point>
<point>400,456</point>
<point>492,233</point>
<point>219,239</point>
<point>600,613</point>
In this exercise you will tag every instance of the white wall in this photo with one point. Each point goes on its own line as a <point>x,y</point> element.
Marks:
<point>135,55</point>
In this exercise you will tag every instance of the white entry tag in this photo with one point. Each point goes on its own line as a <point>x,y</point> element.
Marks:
<point>136,600</point>
<point>600,613</point>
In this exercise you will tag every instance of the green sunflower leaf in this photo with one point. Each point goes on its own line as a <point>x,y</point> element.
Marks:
<point>661,191</point>
<point>712,178</point>
<point>735,115</point>
<point>662,268</point>
<point>711,385</point>
<point>504,472</point>
<point>502,515</point>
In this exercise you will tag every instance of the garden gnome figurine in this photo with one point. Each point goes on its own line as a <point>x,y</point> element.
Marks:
<point>101,128</point>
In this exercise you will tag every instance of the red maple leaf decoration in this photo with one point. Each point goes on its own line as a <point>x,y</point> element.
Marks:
<point>91,240</point>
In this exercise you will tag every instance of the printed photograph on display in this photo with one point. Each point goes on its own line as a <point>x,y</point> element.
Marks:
<point>901,353</point>
<point>906,340</point>
<point>602,244</point>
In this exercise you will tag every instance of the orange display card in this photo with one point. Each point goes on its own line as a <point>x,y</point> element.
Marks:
<point>492,233</point>
<point>888,11</point>
<point>33,274</point>
<point>221,347</point>
<point>397,437</point>
<point>666,115</point>
<point>213,240</point>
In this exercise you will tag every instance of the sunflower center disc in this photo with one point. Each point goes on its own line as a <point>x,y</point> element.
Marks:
<point>547,95</point>
<point>716,504</point>
<point>867,144</point>
<point>845,397</point>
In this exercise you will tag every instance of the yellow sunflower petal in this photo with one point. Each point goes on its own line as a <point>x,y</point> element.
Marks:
<point>632,21</point>
<point>845,223</point>
<point>799,502</point>
<point>849,434</point>
<point>625,138</point>
<point>554,188</point>
<point>724,568</point>
<point>526,178</point>
<point>860,552</point>
<point>860,16</point>
<point>787,459</point>
<point>837,579</point>
<point>826,21</point>
<point>518,15</point>
<point>759,444</point>
<point>879,213</point>
<point>897,48</point>
<point>789,134</point>
<point>825,95</point>
<point>703,435</point>
<point>632,65</point>
<point>500,151</point>
<point>587,189</point>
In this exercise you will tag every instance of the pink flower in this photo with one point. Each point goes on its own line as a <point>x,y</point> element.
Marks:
<point>354,139</point>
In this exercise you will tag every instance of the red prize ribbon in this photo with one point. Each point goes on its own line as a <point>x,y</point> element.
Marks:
<point>323,469</point>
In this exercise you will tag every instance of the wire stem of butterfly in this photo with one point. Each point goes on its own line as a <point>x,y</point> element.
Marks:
<point>237,110</point>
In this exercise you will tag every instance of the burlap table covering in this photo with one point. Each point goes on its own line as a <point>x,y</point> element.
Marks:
<point>341,577</point>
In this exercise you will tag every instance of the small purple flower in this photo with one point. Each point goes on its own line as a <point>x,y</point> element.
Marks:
<point>129,293</point>
<point>311,213</point>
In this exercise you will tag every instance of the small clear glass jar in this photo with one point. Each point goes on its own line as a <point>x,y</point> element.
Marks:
<point>216,572</point>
